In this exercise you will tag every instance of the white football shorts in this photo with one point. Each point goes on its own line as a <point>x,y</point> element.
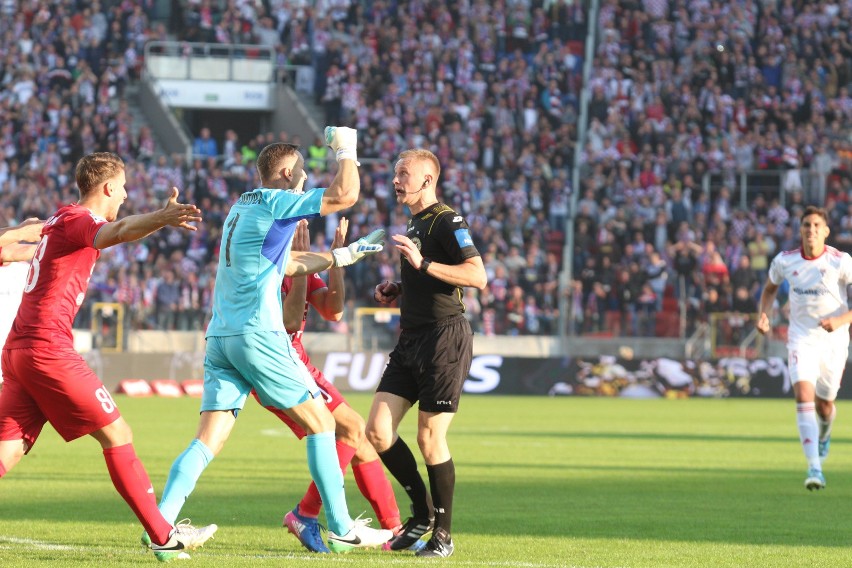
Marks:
<point>821,365</point>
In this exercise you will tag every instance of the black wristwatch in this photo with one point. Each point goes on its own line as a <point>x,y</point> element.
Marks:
<point>424,265</point>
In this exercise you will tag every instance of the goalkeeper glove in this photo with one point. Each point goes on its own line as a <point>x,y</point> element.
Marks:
<point>371,244</point>
<point>343,141</point>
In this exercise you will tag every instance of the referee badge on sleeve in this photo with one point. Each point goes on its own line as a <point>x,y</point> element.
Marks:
<point>463,237</point>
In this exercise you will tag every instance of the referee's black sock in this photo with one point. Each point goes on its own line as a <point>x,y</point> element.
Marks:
<point>442,481</point>
<point>401,464</point>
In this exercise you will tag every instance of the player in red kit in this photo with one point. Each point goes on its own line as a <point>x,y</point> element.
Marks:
<point>46,380</point>
<point>352,446</point>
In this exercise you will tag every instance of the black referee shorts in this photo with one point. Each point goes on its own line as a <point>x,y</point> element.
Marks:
<point>430,365</point>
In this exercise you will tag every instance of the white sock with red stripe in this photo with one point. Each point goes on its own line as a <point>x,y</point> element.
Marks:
<point>825,424</point>
<point>806,418</point>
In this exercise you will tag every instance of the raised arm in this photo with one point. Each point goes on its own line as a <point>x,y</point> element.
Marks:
<point>135,227</point>
<point>344,189</point>
<point>329,301</point>
<point>17,252</point>
<point>307,262</point>
<point>294,301</point>
<point>294,304</point>
<point>302,263</point>
<point>470,272</point>
<point>28,231</point>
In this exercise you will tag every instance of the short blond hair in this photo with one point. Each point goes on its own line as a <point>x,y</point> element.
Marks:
<point>423,154</point>
<point>269,161</point>
<point>96,168</point>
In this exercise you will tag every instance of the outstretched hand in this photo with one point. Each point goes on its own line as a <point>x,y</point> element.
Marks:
<point>409,250</point>
<point>371,244</point>
<point>31,229</point>
<point>181,214</point>
<point>302,236</point>
<point>340,233</point>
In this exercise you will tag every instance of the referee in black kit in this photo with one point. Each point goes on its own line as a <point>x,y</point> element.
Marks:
<point>432,359</point>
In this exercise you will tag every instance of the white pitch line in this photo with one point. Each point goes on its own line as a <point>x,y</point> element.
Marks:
<point>274,432</point>
<point>41,545</point>
<point>12,542</point>
<point>388,559</point>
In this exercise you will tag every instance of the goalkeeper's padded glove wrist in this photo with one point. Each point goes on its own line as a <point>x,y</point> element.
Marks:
<point>348,154</point>
<point>341,257</point>
<point>343,141</point>
<point>371,244</point>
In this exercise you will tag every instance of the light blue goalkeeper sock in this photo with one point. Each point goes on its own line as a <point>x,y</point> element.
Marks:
<point>186,470</point>
<point>325,469</point>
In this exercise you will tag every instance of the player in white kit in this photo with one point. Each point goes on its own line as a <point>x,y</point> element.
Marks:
<point>13,278</point>
<point>818,336</point>
<point>14,265</point>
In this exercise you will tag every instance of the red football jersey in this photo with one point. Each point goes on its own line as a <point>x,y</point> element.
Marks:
<point>58,279</point>
<point>314,283</point>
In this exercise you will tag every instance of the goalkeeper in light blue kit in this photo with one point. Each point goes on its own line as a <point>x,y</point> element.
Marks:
<point>247,345</point>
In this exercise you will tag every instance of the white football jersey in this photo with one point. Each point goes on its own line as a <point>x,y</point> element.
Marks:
<point>13,278</point>
<point>817,291</point>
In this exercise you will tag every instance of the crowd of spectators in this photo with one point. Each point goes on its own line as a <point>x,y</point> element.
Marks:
<point>685,99</point>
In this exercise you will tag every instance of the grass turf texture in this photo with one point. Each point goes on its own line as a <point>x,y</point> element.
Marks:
<point>582,482</point>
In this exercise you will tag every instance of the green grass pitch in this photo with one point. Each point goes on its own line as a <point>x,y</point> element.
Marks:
<point>541,482</point>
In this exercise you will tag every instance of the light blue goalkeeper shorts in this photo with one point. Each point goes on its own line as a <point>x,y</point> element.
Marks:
<point>263,361</point>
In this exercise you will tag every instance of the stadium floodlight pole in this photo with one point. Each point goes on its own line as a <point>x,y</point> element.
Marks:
<point>567,273</point>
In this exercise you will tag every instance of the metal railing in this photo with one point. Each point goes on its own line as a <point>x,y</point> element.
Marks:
<point>769,183</point>
<point>752,338</point>
<point>698,346</point>
<point>210,62</point>
<point>735,333</point>
<point>107,327</point>
<point>373,330</point>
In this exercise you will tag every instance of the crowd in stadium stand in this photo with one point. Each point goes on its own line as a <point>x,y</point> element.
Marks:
<point>685,99</point>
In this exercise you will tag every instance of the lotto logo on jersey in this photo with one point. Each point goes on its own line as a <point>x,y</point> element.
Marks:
<point>463,237</point>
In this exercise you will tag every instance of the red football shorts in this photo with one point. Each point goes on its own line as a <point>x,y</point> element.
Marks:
<point>330,394</point>
<point>51,385</point>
